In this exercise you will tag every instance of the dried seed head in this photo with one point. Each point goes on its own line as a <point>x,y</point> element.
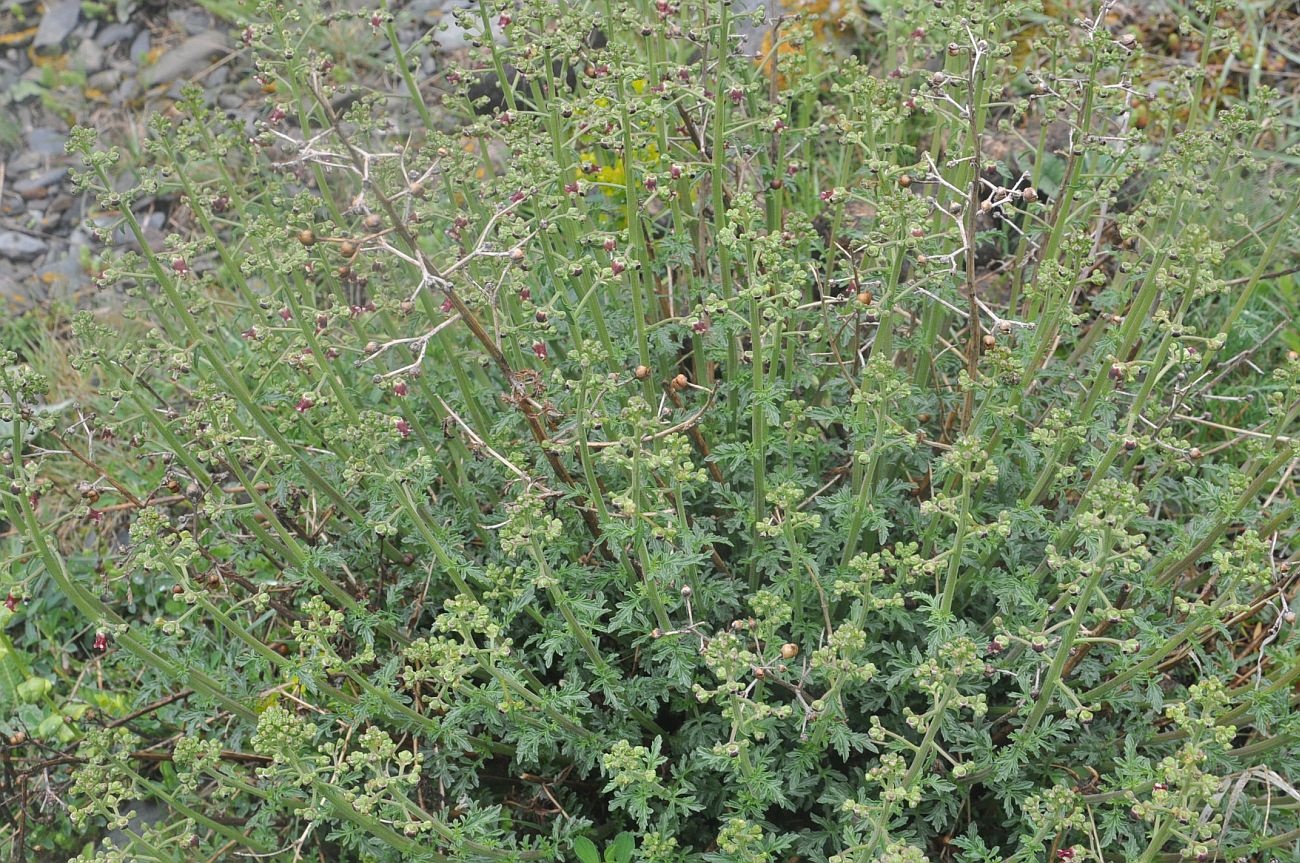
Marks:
<point>1030,194</point>
<point>642,372</point>
<point>990,341</point>
<point>347,248</point>
<point>373,222</point>
<point>680,382</point>
<point>307,237</point>
<point>789,650</point>
<point>905,180</point>
<point>865,298</point>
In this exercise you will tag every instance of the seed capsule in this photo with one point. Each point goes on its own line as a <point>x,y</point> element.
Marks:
<point>905,180</point>
<point>373,221</point>
<point>680,382</point>
<point>642,372</point>
<point>347,248</point>
<point>789,650</point>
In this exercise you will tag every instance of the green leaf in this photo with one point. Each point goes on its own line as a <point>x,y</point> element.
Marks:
<point>620,850</point>
<point>586,850</point>
<point>34,688</point>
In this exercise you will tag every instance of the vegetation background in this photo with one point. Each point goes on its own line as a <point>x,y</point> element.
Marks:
<point>663,431</point>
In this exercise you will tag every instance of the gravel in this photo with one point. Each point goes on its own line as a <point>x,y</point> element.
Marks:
<point>21,247</point>
<point>57,23</point>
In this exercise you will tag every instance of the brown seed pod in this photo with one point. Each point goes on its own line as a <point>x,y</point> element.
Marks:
<point>307,237</point>
<point>347,248</point>
<point>1030,195</point>
<point>373,222</point>
<point>905,180</point>
<point>990,341</point>
<point>789,650</point>
<point>865,298</point>
<point>680,382</point>
<point>642,372</point>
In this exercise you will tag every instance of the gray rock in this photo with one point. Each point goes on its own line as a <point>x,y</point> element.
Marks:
<point>57,22</point>
<point>46,142</point>
<point>139,47</point>
<point>88,57</point>
<point>192,20</point>
<point>185,59</point>
<point>128,90</point>
<point>20,247</point>
<point>33,187</point>
<point>114,33</point>
<point>104,81</point>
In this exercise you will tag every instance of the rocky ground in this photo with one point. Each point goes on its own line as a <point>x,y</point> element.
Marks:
<point>64,63</point>
<point>108,66</point>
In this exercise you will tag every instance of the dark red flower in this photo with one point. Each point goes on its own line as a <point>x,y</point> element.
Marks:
<point>402,426</point>
<point>101,641</point>
<point>539,348</point>
<point>304,404</point>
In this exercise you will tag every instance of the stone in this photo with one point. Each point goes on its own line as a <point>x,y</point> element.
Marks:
<point>35,187</point>
<point>114,33</point>
<point>46,142</point>
<point>88,57</point>
<point>140,47</point>
<point>185,59</point>
<point>126,91</point>
<point>57,22</point>
<point>105,80</point>
<point>20,247</point>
